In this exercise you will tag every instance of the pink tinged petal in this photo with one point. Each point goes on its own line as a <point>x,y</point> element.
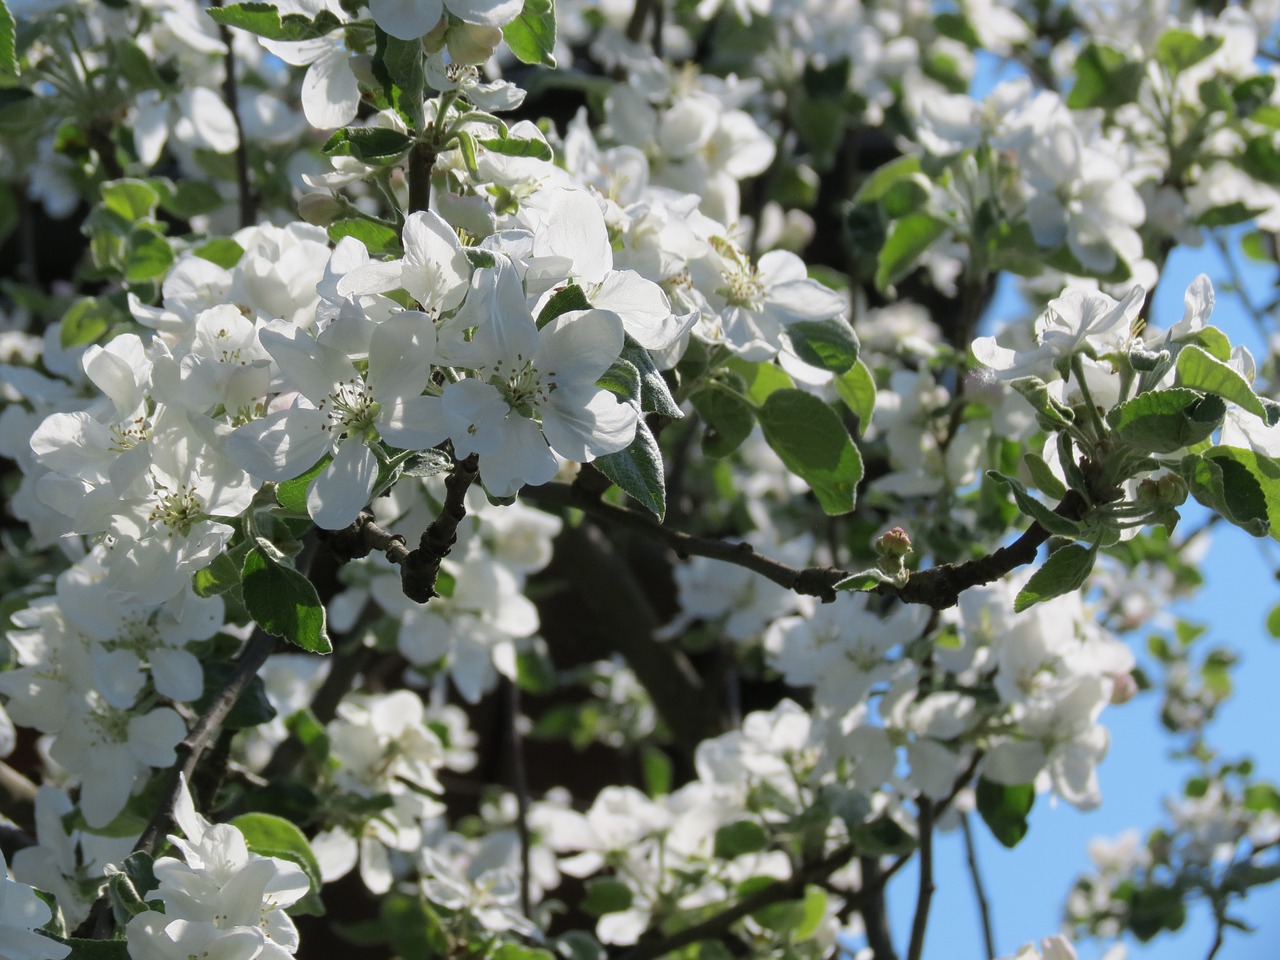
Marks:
<point>490,13</point>
<point>400,355</point>
<point>579,346</point>
<point>524,458</point>
<point>312,367</point>
<point>330,94</point>
<point>406,19</point>
<point>340,492</point>
<point>282,445</point>
<point>413,424</point>
<point>584,423</point>
<point>153,736</point>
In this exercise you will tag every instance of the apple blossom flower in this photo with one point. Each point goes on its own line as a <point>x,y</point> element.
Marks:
<point>22,914</point>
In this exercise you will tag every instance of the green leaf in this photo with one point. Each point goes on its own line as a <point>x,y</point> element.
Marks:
<point>95,949</point>
<point>87,320</point>
<point>375,145</point>
<point>264,20</point>
<point>761,379</point>
<point>655,395</point>
<point>270,836</point>
<point>1043,477</point>
<point>1228,215</point>
<point>1212,340</point>
<point>518,147</point>
<point>657,769</point>
<point>306,727</point>
<point>907,242</point>
<point>1273,622</point>
<point>1179,49</point>
<point>857,388</point>
<point>150,256</point>
<point>569,297</point>
<point>252,709</point>
<point>1004,809</point>
<point>397,65</point>
<point>606,895</point>
<point>223,251</point>
<point>1051,414</point>
<point>827,344</point>
<point>1200,371</point>
<point>1162,421</point>
<point>623,379</point>
<point>218,577</point>
<point>813,913</point>
<point>191,198</point>
<point>1228,488</point>
<point>728,416</point>
<point>1066,570</point>
<point>284,603</point>
<point>743,836</point>
<point>132,199</point>
<point>1252,93</point>
<point>1104,78</point>
<point>810,439</point>
<point>379,239</point>
<point>292,494</point>
<point>638,471</point>
<point>532,35</point>
<point>1263,470</point>
<point>1261,159</point>
<point>864,580</point>
<point>1036,510</point>
<point>8,46</point>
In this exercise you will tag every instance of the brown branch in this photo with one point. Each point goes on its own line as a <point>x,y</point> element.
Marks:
<point>979,888</point>
<point>193,746</point>
<point>422,160</point>
<point>937,587</point>
<point>520,784</point>
<point>17,796</point>
<point>925,889</point>
<point>419,567</point>
<point>875,918</point>
<point>231,97</point>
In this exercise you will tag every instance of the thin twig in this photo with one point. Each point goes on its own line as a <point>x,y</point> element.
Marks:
<point>937,587</point>
<point>520,784</point>
<point>979,888</point>
<point>875,918</point>
<point>231,97</point>
<point>924,891</point>
<point>197,740</point>
<point>419,568</point>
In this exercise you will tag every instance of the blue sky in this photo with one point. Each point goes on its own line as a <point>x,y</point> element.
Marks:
<point>1027,886</point>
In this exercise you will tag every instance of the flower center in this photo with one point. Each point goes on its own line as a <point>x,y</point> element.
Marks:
<point>179,510</point>
<point>352,409</point>
<point>127,435</point>
<point>523,385</point>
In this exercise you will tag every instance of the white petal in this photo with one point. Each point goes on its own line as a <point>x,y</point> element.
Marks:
<point>330,94</point>
<point>341,490</point>
<point>582,424</point>
<point>282,445</point>
<point>152,737</point>
<point>400,355</point>
<point>406,19</point>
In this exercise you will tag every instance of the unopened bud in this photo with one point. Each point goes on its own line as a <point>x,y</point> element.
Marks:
<point>1148,493</point>
<point>1173,490</point>
<point>1123,688</point>
<point>893,543</point>
<point>320,209</point>
<point>434,40</point>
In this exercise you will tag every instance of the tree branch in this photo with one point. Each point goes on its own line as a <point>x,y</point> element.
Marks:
<point>937,587</point>
<point>189,751</point>
<point>924,892</point>
<point>422,160</point>
<point>231,97</point>
<point>419,567</point>
<point>520,784</point>
<point>979,888</point>
<point>875,918</point>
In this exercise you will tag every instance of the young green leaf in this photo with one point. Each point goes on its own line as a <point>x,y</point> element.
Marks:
<point>857,388</point>
<point>8,45</point>
<point>907,242</point>
<point>728,416</point>
<point>270,836</point>
<point>1199,370</point>
<point>374,145</point>
<point>379,239</point>
<point>826,344</point>
<point>532,35</point>
<point>638,471</point>
<point>518,147</point>
<point>284,603</point>
<point>1043,477</point>
<point>265,20</point>
<point>813,443</point>
<point>567,298</point>
<point>1065,571</point>
<point>1036,510</point>
<point>1162,421</point>
<point>1004,809</point>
